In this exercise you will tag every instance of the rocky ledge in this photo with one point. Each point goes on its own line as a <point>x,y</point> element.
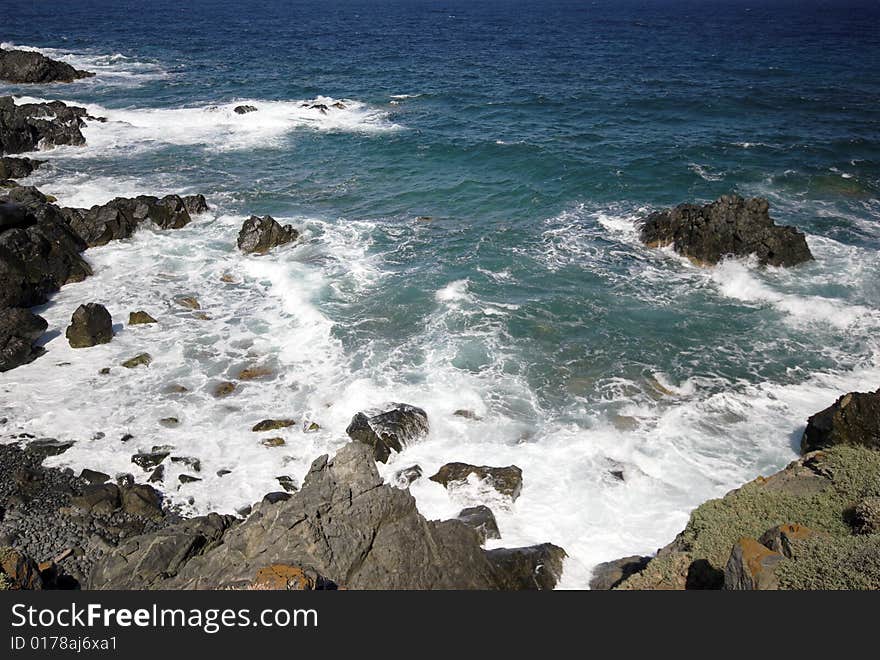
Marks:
<point>32,126</point>
<point>730,226</point>
<point>813,525</point>
<point>25,66</point>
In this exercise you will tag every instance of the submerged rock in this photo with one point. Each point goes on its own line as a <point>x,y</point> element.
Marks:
<point>405,477</point>
<point>390,430</point>
<point>140,318</point>
<point>344,524</point>
<point>854,419</point>
<point>24,66</point>
<point>273,425</point>
<point>142,360</point>
<point>19,329</point>
<point>506,480</point>
<point>729,226</point>
<point>244,109</point>
<point>259,235</point>
<point>90,325</point>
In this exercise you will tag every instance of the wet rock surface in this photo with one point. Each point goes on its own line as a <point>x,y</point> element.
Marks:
<point>389,430</point>
<point>28,127</point>
<point>90,325</point>
<point>19,330</point>
<point>258,235</point>
<point>506,480</point>
<point>730,226</point>
<point>854,419</point>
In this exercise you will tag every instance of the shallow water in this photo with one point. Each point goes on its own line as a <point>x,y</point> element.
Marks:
<point>469,243</point>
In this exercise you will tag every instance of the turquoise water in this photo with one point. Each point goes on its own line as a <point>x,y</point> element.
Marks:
<point>469,223</point>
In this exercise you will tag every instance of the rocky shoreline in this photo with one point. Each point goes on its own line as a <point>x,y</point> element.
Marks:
<point>344,527</point>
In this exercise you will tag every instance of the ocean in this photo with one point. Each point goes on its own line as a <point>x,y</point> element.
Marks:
<point>469,243</point>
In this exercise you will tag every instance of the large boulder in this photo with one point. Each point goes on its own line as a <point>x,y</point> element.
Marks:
<point>17,168</point>
<point>506,480</point>
<point>90,325</point>
<point>39,253</point>
<point>24,66</point>
<point>389,430</point>
<point>752,566</point>
<point>345,525</point>
<point>854,419</point>
<point>18,571</point>
<point>729,226</point>
<point>19,329</point>
<point>259,235</point>
<point>121,217</point>
<point>31,126</point>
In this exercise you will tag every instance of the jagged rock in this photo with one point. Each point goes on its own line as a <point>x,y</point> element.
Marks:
<point>536,568</point>
<point>244,109</point>
<point>866,516</point>
<point>609,574</point>
<point>24,66</point>
<point>287,483</point>
<point>273,425</point>
<point>481,519</point>
<point>751,566</point>
<point>854,419</point>
<point>45,447</point>
<point>506,480</point>
<point>157,475</point>
<point>140,318</point>
<point>18,168</point>
<point>729,226</point>
<point>38,251</point>
<point>121,217</point>
<point>344,524</point>
<point>99,499</point>
<point>19,329</point>
<point>142,360</point>
<point>259,235</point>
<point>30,126</point>
<point>90,325</point>
<point>149,460</point>
<point>405,477</point>
<point>18,571</point>
<point>390,430</point>
<point>189,461</point>
<point>149,561</point>
<point>187,479</point>
<point>195,204</point>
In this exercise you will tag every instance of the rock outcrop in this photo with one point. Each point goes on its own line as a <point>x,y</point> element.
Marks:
<point>19,329</point>
<point>90,325</point>
<point>259,235</point>
<point>24,66</point>
<point>17,168</point>
<point>120,218</point>
<point>390,429</point>
<point>730,226</point>
<point>32,126</point>
<point>854,419</point>
<point>344,525</point>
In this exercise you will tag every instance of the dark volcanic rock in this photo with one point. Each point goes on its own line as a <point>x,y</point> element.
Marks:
<point>611,573</point>
<point>31,126</point>
<point>24,66</point>
<point>17,168</point>
<point>195,204</point>
<point>390,430</point>
<point>19,329</point>
<point>346,525</point>
<point>482,520</point>
<point>259,235</point>
<point>729,226</point>
<point>121,217</point>
<point>244,109</point>
<point>506,480</point>
<point>38,251</point>
<point>90,325</point>
<point>854,419</point>
<point>405,477</point>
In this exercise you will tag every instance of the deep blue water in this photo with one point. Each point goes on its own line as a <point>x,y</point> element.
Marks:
<point>533,134</point>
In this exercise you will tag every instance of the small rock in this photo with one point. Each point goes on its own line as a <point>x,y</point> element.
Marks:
<point>259,235</point>
<point>255,373</point>
<point>142,500</point>
<point>273,425</point>
<point>390,430</point>
<point>244,109</point>
<point>142,360</point>
<point>273,442</point>
<point>46,447</point>
<point>158,474</point>
<point>192,462</point>
<point>90,325</point>
<point>187,479</point>
<point>223,473</point>
<point>609,574</point>
<point>403,478</point>
<point>149,460</point>
<point>190,302</point>
<point>506,480</point>
<point>140,318</point>
<point>275,497</point>
<point>467,414</point>
<point>176,389</point>
<point>222,390</point>
<point>311,427</point>
<point>102,499</point>
<point>287,483</point>
<point>169,422</point>
<point>94,477</point>
<point>780,538</point>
